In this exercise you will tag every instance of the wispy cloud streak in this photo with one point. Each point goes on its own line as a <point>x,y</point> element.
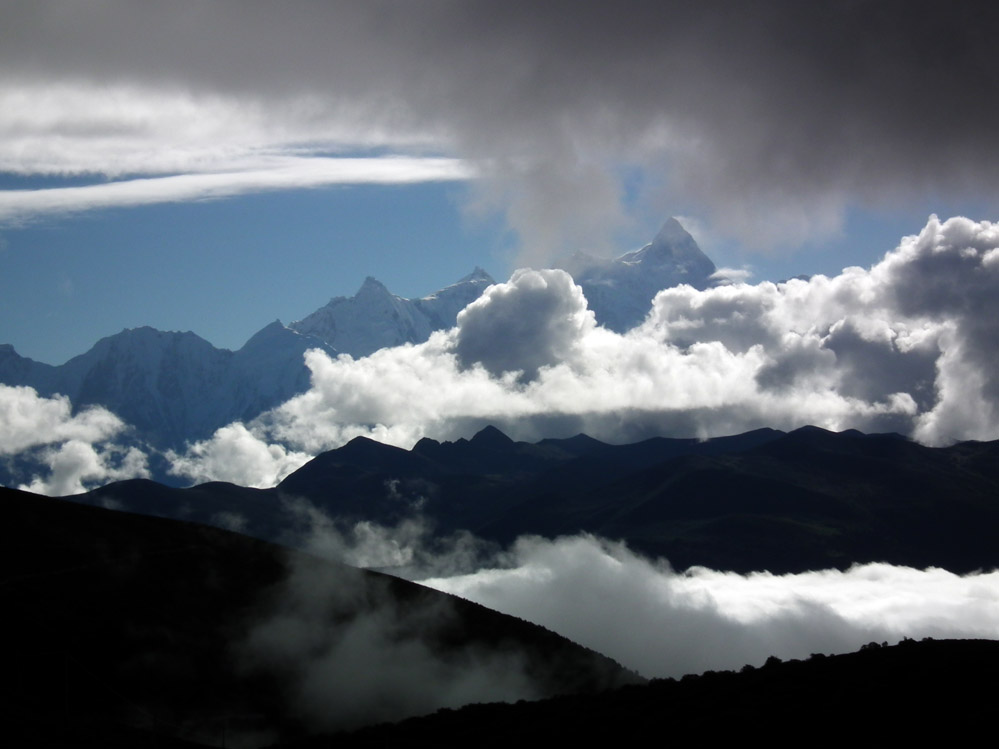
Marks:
<point>283,173</point>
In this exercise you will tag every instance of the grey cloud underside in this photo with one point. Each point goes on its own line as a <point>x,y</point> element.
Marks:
<point>797,109</point>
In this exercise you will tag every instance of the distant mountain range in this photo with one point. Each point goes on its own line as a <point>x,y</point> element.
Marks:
<point>176,387</point>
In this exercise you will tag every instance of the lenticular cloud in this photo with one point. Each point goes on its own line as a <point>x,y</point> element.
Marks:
<point>910,345</point>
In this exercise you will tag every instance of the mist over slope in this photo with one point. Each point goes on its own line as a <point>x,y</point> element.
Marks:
<point>114,618</point>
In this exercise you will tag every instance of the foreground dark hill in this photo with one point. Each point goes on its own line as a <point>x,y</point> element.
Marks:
<point>914,690</point>
<point>114,623</point>
<point>808,499</point>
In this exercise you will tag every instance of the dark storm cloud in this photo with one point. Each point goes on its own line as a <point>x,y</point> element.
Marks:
<point>771,117</point>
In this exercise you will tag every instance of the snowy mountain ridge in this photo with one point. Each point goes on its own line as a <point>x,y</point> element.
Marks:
<point>375,318</point>
<point>176,387</point>
<point>620,291</point>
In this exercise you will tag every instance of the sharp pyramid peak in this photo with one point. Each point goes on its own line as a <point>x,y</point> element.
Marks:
<point>492,437</point>
<point>672,231</point>
<point>477,275</point>
<point>372,285</point>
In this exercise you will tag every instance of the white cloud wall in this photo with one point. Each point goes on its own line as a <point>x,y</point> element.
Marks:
<point>910,345</point>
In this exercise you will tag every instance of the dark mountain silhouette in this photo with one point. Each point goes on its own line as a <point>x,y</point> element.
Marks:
<point>880,694</point>
<point>115,623</point>
<point>809,499</point>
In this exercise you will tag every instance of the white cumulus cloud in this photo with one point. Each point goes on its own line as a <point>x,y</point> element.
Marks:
<point>909,345</point>
<point>76,449</point>
<point>234,454</point>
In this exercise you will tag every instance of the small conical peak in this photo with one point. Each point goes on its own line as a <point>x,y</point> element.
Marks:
<point>267,334</point>
<point>673,246</point>
<point>372,287</point>
<point>672,232</point>
<point>477,275</point>
<point>492,437</point>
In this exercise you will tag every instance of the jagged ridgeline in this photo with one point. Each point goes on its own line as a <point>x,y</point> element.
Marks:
<point>764,500</point>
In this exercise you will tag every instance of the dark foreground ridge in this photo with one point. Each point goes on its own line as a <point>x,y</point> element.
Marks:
<point>122,630</point>
<point>763,500</point>
<point>880,694</point>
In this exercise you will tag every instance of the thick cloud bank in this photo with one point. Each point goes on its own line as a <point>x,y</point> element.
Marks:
<point>75,449</point>
<point>910,345</point>
<point>663,623</point>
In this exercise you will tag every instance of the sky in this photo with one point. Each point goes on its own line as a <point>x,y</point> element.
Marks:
<point>215,166</point>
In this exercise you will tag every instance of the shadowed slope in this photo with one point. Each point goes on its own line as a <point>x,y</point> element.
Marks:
<point>882,694</point>
<point>112,619</point>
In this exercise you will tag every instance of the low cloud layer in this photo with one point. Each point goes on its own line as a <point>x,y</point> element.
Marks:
<point>655,620</point>
<point>663,623</point>
<point>909,345</point>
<point>574,114</point>
<point>234,454</point>
<point>63,453</point>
